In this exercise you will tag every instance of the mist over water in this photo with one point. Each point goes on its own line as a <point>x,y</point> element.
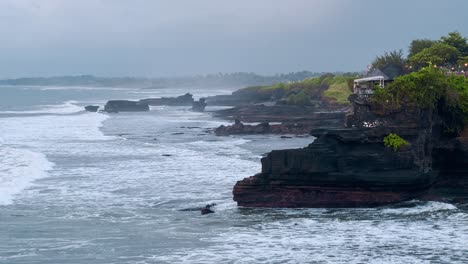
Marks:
<point>78,187</point>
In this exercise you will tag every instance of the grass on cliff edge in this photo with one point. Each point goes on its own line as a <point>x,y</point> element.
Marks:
<point>339,93</point>
<point>332,88</point>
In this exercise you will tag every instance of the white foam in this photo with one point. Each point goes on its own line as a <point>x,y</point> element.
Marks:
<point>26,140</point>
<point>46,88</point>
<point>429,207</point>
<point>18,169</point>
<point>48,129</point>
<point>68,107</point>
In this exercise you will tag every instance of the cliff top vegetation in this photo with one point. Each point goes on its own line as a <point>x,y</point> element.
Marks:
<point>332,88</point>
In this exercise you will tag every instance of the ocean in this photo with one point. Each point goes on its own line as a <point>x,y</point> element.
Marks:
<point>80,187</point>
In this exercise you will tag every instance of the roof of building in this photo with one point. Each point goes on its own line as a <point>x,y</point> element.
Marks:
<point>369,79</point>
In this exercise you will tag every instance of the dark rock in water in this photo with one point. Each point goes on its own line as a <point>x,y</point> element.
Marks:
<point>92,108</point>
<point>183,100</point>
<point>205,211</point>
<point>199,106</point>
<point>166,155</point>
<point>347,168</point>
<point>286,137</point>
<point>115,106</point>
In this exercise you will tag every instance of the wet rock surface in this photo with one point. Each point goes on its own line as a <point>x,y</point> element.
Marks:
<point>277,119</point>
<point>238,128</point>
<point>91,108</point>
<point>115,106</point>
<point>199,106</point>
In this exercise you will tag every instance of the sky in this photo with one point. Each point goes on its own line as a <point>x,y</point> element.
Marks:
<point>156,38</point>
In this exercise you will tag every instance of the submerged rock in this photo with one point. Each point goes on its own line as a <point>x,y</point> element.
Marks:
<point>115,106</point>
<point>203,210</point>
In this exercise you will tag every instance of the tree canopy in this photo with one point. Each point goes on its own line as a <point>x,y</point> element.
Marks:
<point>439,54</point>
<point>451,51</point>
<point>456,40</point>
<point>418,45</point>
<point>395,57</point>
<point>428,88</point>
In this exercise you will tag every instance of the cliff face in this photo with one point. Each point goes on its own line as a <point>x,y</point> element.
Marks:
<point>351,167</point>
<point>451,162</point>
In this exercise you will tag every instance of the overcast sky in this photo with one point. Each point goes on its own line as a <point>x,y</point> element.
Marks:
<point>187,37</point>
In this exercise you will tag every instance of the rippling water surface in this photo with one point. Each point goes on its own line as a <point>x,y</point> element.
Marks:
<point>79,187</point>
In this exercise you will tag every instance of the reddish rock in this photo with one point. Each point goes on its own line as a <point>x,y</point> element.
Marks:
<point>343,168</point>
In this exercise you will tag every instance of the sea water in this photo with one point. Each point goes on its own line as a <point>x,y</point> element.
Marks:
<point>79,187</point>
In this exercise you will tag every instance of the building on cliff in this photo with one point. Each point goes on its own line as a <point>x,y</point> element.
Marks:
<point>378,77</point>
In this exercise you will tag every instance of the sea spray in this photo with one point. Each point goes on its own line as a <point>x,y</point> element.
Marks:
<point>18,169</point>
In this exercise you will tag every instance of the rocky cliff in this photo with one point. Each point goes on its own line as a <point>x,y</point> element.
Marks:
<point>351,167</point>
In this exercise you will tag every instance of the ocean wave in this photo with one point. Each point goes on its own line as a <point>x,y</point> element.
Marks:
<point>43,130</point>
<point>68,107</point>
<point>427,207</point>
<point>18,169</point>
<point>54,88</point>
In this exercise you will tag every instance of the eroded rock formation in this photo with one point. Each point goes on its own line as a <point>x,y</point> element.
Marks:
<point>351,167</point>
<point>183,100</point>
<point>91,108</point>
<point>115,106</point>
<point>199,106</point>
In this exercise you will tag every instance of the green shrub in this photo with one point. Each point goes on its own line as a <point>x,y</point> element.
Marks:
<point>301,98</point>
<point>428,88</point>
<point>395,142</point>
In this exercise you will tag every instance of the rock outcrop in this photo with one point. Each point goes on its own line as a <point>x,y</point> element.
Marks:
<point>183,100</point>
<point>239,97</point>
<point>238,128</point>
<point>91,108</point>
<point>115,106</point>
<point>282,113</point>
<point>199,106</point>
<point>351,167</point>
<point>342,168</point>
